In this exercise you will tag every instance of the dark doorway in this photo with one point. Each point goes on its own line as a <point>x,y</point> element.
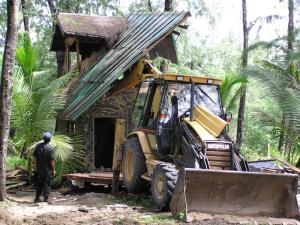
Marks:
<point>104,136</point>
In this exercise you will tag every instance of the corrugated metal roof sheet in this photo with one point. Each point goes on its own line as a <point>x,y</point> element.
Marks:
<point>144,32</point>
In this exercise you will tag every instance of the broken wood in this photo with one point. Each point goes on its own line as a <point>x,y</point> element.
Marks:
<point>16,185</point>
<point>13,173</point>
<point>293,168</point>
<point>16,178</point>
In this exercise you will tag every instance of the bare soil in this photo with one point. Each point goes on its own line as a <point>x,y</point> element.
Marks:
<point>101,208</point>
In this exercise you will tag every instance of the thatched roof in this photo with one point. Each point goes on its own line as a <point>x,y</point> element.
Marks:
<point>88,29</point>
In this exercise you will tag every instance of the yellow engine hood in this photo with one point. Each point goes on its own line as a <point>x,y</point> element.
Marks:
<point>206,124</point>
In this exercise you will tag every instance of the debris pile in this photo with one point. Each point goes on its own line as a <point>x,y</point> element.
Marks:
<point>275,165</point>
<point>16,178</point>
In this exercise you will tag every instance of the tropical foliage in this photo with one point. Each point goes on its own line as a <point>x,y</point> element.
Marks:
<point>280,83</point>
<point>37,97</point>
<point>69,154</point>
<point>230,90</point>
<point>209,46</point>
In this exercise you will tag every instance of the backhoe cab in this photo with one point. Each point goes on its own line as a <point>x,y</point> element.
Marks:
<point>179,146</point>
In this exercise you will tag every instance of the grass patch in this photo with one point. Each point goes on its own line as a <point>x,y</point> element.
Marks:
<point>14,162</point>
<point>159,219</point>
<point>132,200</point>
<point>120,222</point>
<point>6,204</point>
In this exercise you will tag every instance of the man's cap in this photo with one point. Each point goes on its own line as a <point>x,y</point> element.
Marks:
<point>47,135</point>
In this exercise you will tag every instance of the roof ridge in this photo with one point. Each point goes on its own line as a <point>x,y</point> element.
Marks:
<point>88,15</point>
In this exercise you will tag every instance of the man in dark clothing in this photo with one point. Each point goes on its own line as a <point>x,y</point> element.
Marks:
<point>45,167</point>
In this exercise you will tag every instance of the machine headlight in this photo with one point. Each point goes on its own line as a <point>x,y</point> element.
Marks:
<point>209,81</point>
<point>179,78</point>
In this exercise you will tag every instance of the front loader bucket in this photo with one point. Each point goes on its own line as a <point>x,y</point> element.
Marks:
<point>234,192</point>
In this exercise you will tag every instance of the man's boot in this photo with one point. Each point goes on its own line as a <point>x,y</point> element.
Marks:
<point>37,199</point>
<point>45,199</point>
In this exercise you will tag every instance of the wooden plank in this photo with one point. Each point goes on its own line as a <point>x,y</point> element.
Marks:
<point>218,153</point>
<point>218,158</point>
<point>216,163</point>
<point>13,173</point>
<point>95,177</point>
<point>293,168</point>
<point>77,54</point>
<point>8,182</point>
<point>119,136</point>
<point>15,185</point>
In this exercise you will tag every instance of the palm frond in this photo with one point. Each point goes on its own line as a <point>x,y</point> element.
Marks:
<point>27,58</point>
<point>37,97</point>
<point>280,83</point>
<point>61,82</point>
<point>227,89</point>
<point>69,154</point>
<point>271,120</point>
<point>230,104</point>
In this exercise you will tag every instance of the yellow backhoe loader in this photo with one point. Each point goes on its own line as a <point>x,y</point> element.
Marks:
<point>179,146</point>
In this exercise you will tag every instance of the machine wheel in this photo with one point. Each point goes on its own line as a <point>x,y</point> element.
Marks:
<point>163,182</point>
<point>133,166</point>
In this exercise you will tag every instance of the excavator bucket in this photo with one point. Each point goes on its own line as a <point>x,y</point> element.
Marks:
<point>234,192</point>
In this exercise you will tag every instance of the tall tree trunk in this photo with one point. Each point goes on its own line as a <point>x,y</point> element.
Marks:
<point>168,5</point>
<point>6,87</point>
<point>68,6</point>
<point>290,39</point>
<point>60,60</point>
<point>149,5</point>
<point>281,136</point>
<point>60,57</point>
<point>51,7</point>
<point>291,25</point>
<point>241,112</point>
<point>77,6</point>
<point>25,10</point>
<point>67,54</point>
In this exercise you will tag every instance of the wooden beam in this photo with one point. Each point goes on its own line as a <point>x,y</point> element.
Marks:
<point>78,55</point>
<point>15,185</point>
<point>69,60</point>
<point>293,168</point>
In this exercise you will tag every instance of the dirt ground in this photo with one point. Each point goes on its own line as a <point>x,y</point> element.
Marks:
<point>97,208</point>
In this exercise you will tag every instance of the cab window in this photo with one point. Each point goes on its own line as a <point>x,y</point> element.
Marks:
<point>140,103</point>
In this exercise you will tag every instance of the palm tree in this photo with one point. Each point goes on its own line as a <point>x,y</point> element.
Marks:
<point>37,98</point>
<point>231,89</point>
<point>6,88</point>
<point>242,105</point>
<point>280,83</point>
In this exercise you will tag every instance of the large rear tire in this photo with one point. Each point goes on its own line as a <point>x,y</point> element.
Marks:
<point>163,183</point>
<point>134,166</point>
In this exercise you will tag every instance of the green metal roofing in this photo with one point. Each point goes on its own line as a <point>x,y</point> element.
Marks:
<point>143,33</point>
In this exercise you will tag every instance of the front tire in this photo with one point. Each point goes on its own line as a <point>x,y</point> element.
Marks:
<point>134,166</point>
<point>163,183</point>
